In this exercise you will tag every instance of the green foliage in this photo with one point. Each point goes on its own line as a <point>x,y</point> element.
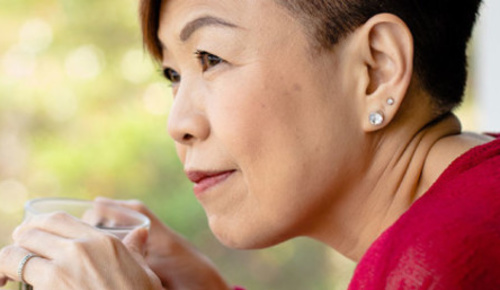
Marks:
<point>82,114</point>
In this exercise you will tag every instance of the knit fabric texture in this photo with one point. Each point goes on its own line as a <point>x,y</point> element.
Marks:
<point>449,238</point>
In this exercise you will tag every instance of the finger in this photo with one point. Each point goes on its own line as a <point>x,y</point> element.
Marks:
<point>43,243</point>
<point>134,205</point>
<point>159,234</point>
<point>3,280</point>
<point>91,217</point>
<point>104,215</point>
<point>135,242</point>
<point>33,270</point>
<point>60,224</point>
<point>130,204</point>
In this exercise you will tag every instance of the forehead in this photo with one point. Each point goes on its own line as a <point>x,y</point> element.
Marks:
<point>175,14</point>
<point>251,14</point>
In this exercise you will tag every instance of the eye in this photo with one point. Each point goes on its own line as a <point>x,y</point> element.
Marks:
<point>171,75</point>
<point>208,60</point>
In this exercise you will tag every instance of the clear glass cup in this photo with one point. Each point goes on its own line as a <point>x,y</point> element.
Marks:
<point>113,219</point>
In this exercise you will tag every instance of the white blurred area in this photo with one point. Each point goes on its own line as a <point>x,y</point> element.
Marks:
<point>487,73</point>
<point>155,100</point>
<point>84,63</point>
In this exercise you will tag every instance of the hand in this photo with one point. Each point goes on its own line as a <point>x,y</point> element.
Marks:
<point>75,255</point>
<point>178,264</point>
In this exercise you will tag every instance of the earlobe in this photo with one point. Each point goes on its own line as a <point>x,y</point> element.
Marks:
<point>388,46</point>
<point>377,118</point>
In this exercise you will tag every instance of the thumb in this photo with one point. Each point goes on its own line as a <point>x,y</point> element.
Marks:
<point>135,242</point>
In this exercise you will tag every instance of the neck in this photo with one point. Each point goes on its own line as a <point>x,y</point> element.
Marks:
<point>397,174</point>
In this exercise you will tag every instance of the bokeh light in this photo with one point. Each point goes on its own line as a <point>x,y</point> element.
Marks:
<point>84,63</point>
<point>19,63</point>
<point>35,36</point>
<point>13,195</point>
<point>133,66</point>
<point>62,105</point>
<point>156,100</point>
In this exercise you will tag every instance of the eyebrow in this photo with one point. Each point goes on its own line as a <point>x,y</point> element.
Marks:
<point>198,23</point>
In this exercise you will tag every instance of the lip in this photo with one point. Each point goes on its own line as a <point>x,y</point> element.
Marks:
<point>204,180</point>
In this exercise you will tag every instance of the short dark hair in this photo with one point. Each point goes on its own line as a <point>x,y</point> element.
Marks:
<point>441,30</point>
<point>149,13</point>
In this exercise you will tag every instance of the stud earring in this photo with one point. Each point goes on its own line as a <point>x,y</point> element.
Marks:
<point>390,101</point>
<point>376,118</point>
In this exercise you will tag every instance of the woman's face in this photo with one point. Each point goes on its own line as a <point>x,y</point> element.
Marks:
<point>263,124</point>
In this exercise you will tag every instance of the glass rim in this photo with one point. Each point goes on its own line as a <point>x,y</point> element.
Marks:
<point>145,221</point>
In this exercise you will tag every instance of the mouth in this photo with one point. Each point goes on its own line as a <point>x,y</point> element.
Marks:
<point>204,180</point>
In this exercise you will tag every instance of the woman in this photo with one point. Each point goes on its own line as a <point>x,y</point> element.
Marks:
<point>327,119</point>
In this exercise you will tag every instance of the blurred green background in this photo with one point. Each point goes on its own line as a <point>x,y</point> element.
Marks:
<point>82,114</point>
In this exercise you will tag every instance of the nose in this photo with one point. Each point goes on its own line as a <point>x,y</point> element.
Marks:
<point>187,122</point>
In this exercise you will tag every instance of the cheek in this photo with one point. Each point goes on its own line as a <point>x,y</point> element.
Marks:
<point>283,136</point>
<point>266,129</point>
<point>242,105</point>
<point>253,118</point>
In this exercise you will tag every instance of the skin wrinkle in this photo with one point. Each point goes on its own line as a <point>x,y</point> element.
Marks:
<point>410,162</point>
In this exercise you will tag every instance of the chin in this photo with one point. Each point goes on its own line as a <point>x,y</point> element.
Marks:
<point>244,238</point>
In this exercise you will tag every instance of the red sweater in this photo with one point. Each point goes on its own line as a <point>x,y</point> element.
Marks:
<point>449,238</point>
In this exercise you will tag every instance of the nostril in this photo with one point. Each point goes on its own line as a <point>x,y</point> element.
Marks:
<point>187,137</point>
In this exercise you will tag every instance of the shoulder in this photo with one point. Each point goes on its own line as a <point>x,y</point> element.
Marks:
<point>449,238</point>
<point>446,250</point>
<point>453,248</point>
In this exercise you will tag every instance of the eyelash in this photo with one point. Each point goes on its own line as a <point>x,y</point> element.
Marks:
<point>206,59</point>
<point>171,75</point>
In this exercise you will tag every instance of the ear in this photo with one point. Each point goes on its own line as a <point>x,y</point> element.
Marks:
<point>386,45</point>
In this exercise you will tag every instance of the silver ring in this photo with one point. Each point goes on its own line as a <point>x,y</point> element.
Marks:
<point>22,264</point>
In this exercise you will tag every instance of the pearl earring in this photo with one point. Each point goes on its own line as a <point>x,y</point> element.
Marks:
<point>390,101</point>
<point>376,118</point>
